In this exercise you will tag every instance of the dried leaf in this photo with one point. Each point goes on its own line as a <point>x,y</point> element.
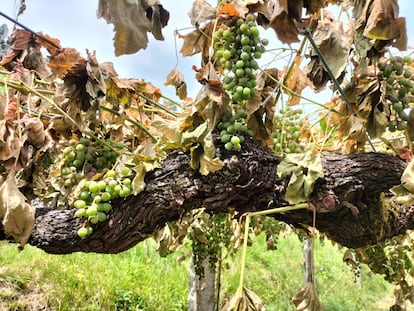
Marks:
<point>230,10</point>
<point>194,42</point>
<point>163,238</point>
<point>20,40</point>
<point>242,7</point>
<point>175,78</point>
<point>296,81</point>
<point>307,299</point>
<point>52,49</point>
<point>132,20</point>
<point>138,182</point>
<point>10,144</point>
<point>335,46</point>
<point>304,169</point>
<point>34,130</point>
<point>16,215</point>
<point>407,178</point>
<point>248,301</point>
<point>66,59</point>
<point>380,17</point>
<point>283,20</point>
<point>201,12</point>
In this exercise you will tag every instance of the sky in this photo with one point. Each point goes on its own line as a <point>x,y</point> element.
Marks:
<point>75,24</point>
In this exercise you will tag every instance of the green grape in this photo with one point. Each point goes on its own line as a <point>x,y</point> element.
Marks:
<point>79,204</point>
<point>105,197</point>
<point>101,185</point>
<point>235,140</point>
<point>80,147</point>
<point>92,210</point>
<point>101,216</point>
<point>94,219</point>
<point>106,207</point>
<point>83,232</point>
<point>228,146</point>
<point>97,198</point>
<point>93,186</point>
<point>225,138</point>
<point>125,171</point>
<point>85,195</point>
<point>80,213</point>
<point>65,171</point>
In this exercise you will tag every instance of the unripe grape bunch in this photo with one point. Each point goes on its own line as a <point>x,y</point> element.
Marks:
<point>398,75</point>
<point>94,202</point>
<point>234,132</point>
<point>87,158</point>
<point>237,45</point>
<point>288,126</point>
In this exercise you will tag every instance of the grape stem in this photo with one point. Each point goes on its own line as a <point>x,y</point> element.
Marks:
<point>248,216</point>
<point>22,87</point>
<point>136,123</point>
<point>157,104</point>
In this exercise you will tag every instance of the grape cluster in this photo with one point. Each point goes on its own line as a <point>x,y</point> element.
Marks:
<point>288,126</point>
<point>94,200</point>
<point>218,233</point>
<point>233,132</point>
<point>88,156</point>
<point>399,78</point>
<point>237,45</point>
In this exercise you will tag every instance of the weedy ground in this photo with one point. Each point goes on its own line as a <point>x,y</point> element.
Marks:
<point>139,279</point>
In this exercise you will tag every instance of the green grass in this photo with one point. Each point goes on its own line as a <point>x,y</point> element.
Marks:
<point>139,279</point>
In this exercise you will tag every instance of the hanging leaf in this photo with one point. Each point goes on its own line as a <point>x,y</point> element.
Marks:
<point>163,238</point>
<point>176,79</point>
<point>304,169</point>
<point>196,41</point>
<point>201,12</point>
<point>335,47</point>
<point>248,301</point>
<point>20,40</point>
<point>132,20</point>
<point>307,299</point>
<point>16,215</point>
<point>283,20</point>
<point>296,81</point>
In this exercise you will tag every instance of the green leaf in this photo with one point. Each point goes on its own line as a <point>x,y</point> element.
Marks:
<point>304,169</point>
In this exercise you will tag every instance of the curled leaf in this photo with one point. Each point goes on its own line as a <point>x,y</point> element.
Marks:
<point>304,169</point>
<point>132,20</point>
<point>247,301</point>
<point>16,215</point>
<point>201,12</point>
<point>307,299</point>
<point>175,78</point>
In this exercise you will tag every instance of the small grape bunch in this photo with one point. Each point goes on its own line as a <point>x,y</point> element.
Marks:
<point>288,126</point>
<point>233,132</point>
<point>95,198</point>
<point>236,47</point>
<point>399,89</point>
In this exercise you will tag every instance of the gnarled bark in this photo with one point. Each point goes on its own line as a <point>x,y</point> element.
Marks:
<point>351,201</point>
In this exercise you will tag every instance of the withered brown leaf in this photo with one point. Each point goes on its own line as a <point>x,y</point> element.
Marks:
<point>132,20</point>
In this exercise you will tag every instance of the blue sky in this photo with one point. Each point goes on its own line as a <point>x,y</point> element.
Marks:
<point>74,22</point>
